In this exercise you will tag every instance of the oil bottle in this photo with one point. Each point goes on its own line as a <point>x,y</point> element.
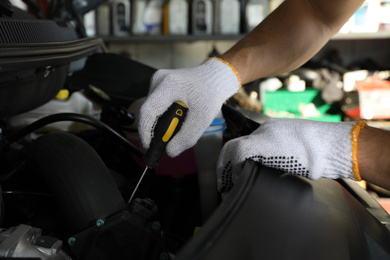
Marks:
<point>255,12</point>
<point>178,17</point>
<point>138,10</point>
<point>153,17</point>
<point>229,17</point>
<point>121,17</point>
<point>202,11</point>
<point>103,20</point>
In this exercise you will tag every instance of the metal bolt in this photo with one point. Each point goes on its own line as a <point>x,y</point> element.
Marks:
<point>156,226</point>
<point>164,256</point>
<point>47,71</point>
<point>71,241</point>
<point>99,222</point>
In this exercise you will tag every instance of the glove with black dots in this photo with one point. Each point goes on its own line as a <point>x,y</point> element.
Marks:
<point>307,148</point>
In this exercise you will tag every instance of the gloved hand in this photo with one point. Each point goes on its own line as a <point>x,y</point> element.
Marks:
<point>302,147</point>
<point>203,89</point>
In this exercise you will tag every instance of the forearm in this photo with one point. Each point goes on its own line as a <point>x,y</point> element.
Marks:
<point>374,156</point>
<point>288,37</point>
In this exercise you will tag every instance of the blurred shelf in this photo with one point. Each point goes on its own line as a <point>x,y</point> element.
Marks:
<point>362,36</point>
<point>194,38</point>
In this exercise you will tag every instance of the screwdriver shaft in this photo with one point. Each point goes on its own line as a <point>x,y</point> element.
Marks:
<point>136,187</point>
<point>167,126</point>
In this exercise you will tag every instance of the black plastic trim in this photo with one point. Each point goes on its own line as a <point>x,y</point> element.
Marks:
<point>36,55</point>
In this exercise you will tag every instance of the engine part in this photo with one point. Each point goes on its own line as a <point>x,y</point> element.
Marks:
<point>36,55</point>
<point>26,241</point>
<point>133,234</point>
<point>71,117</point>
<point>78,178</point>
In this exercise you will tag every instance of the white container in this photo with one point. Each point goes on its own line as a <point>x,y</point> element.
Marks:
<point>153,17</point>
<point>178,17</point>
<point>121,17</point>
<point>384,15</point>
<point>273,4</point>
<point>207,151</point>
<point>295,84</point>
<point>20,4</point>
<point>366,18</point>
<point>216,16</point>
<point>76,103</point>
<point>230,17</point>
<point>103,20</point>
<point>90,23</point>
<point>138,25</point>
<point>202,22</point>
<point>255,12</point>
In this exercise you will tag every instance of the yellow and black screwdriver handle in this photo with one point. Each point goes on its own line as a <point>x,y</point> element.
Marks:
<point>166,128</point>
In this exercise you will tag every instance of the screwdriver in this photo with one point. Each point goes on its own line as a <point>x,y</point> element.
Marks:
<point>166,128</point>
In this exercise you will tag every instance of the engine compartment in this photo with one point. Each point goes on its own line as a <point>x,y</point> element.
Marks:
<point>65,191</point>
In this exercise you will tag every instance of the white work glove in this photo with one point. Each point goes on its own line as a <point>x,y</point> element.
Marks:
<point>203,89</point>
<point>307,148</point>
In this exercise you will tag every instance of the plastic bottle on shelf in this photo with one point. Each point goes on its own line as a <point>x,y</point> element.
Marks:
<point>229,17</point>
<point>89,20</point>
<point>121,17</point>
<point>178,17</point>
<point>103,20</point>
<point>216,16</point>
<point>165,22</point>
<point>202,22</point>
<point>138,10</point>
<point>273,4</point>
<point>384,15</point>
<point>153,17</point>
<point>255,12</point>
<point>366,18</point>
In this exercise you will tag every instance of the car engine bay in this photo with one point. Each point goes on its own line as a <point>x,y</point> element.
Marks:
<point>69,164</point>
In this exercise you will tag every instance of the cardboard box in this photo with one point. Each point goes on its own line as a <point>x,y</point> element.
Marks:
<point>374,98</point>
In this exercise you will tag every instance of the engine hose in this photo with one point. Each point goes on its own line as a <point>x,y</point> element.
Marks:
<point>13,137</point>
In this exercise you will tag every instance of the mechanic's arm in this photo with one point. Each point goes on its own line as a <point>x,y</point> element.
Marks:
<point>289,36</point>
<point>374,156</point>
<point>286,39</point>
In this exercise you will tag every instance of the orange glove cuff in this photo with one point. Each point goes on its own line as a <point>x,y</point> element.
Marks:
<point>354,140</point>
<point>231,66</point>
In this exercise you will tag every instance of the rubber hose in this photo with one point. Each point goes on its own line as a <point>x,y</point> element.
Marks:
<point>13,137</point>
